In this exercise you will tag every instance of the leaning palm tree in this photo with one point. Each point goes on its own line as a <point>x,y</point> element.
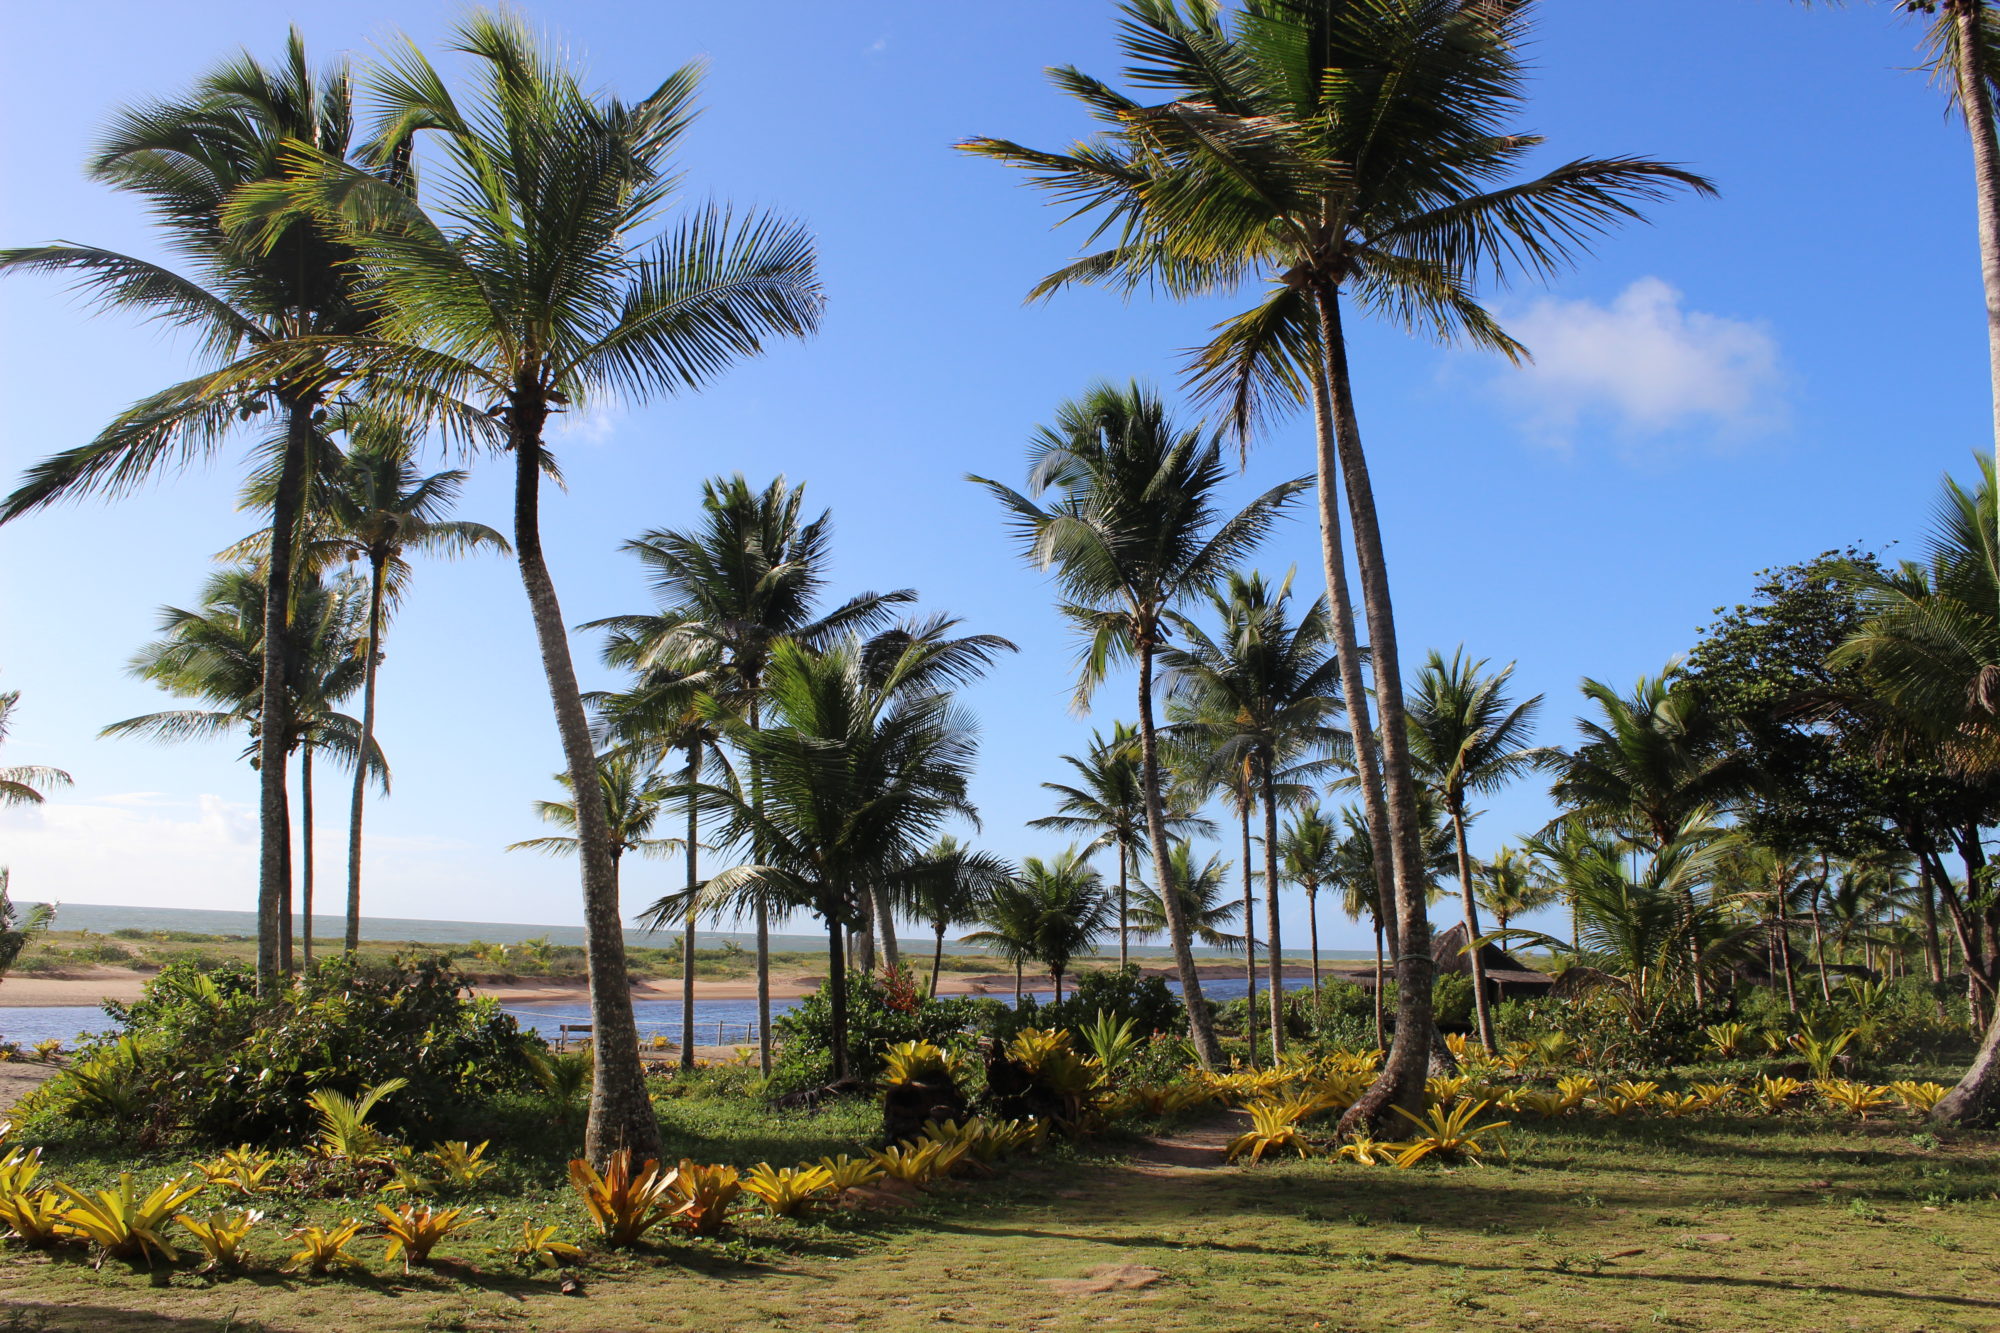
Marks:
<point>1071,909</point>
<point>1336,149</point>
<point>216,654</point>
<point>946,887</point>
<point>1258,696</point>
<point>1107,801</point>
<point>268,318</point>
<point>1132,533</point>
<point>1307,856</point>
<point>749,575</point>
<point>524,280</point>
<point>22,784</point>
<point>378,506</point>
<point>1467,736</point>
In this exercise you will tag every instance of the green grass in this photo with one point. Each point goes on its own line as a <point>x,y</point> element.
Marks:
<point>1790,1222</point>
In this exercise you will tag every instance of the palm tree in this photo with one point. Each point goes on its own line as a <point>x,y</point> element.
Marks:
<point>216,654</point>
<point>946,886</point>
<point>1009,917</point>
<point>633,801</point>
<point>862,757</point>
<point>1333,147</point>
<point>1132,534</point>
<point>1256,697</point>
<point>749,575</point>
<point>1108,800</point>
<point>16,929</point>
<point>1307,851</point>
<point>527,284</point>
<point>1197,892</point>
<point>1511,885</point>
<point>269,318</point>
<point>1467,736</point>
<point>21,784</point>
<point>1071,909</point>
<point>379,507</point>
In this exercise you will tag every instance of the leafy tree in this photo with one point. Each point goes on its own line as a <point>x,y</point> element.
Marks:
<point>524,279</point>
<point>1255,699</point>
<point>1307,856</point>
<point>1336,149</point>
<point>1197,891</point>
<point>21,784</point>
<point>748,576</point>
<point>269,318</point>
<point>1510,885</point>
<point>1109,801</point>
<point>1071,909</point>
<point>1467,736</point>
<point>945,888</point>
<point>1133,533</point>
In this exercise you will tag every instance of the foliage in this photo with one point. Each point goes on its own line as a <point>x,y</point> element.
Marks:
<point>624,1202</point>
<point>873,1026</point>
<point>414,1230</point>
<point>321,1248</point>
<point>344,1130</point>
<point>915,1062</point>
<point>1446,1132</point>
<point>1112,1041</point>
<point>204,1053</point>
<point>220,1234</point>
<point>1273,1128</point>
<point>846,1173</point>
<point>124,1224</point>
<point>785,1190</point>
<point>243,1169</point>
<point>704,1195</point>
<point>539,1248</point>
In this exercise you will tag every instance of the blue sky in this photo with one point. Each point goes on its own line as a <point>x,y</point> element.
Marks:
<point>1747,382</point>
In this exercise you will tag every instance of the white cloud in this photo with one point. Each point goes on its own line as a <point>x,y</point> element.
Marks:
<point>593,423</point>
<point>1644,366</point>
<point>879,45</point>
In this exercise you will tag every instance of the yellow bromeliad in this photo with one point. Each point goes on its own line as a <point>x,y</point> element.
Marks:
<point>220,1234</point>
<point>1446,1133</point>
<point>785,1190</point>
<point>1854,1097</point>
<point>323,1248</point>
<point>124,1224</point>
<point>705,1194</point>
<point>624,1202</point>
<point>1918,1097</point>
<point>415,1230</point>
<point>1274,1127</point>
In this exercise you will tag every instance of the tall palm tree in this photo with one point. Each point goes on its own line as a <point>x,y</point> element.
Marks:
<point>1108,800</point>
<point>524,280</point>
<point>268,318</point>
<point>1132,533</point>
<point>1307,852</point>
<point>378,506</point>
<point>21,784</point>
<point>1511,885</point>
<point>1071,909</point>
<point>216,653</point>
<point>1333,148</point>
<point>1466,737</point>
<point>1197,893</point>
<point>749,575</point>
<point>946,887</point>
<point>862,761</point>
<point>1258,696</point>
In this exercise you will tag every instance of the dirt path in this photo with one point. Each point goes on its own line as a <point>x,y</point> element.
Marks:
<point>18,1078</point>
<point>1194,1147</point>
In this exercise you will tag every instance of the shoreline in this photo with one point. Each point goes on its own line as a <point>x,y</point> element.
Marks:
<point>89,989</point>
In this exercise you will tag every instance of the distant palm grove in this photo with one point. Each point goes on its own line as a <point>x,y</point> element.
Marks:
<point>1786,830</point>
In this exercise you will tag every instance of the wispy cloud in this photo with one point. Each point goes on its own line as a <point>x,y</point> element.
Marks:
<point>1644,367</point>
<point>879,45</point>
<point>593,423</point>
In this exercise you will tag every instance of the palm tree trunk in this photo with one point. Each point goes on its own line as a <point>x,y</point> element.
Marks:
<point>1347,645</point>
<point>885,914</point>
<point>1056,972</point>
<point>306,849</point>
<point>1124,953</point>
<point>1819,948</point>
<point>1401,1082</point>
<point>621,1117</point>
<point>937,959</point>
<point>1249,931</point>
<point>1381,1032</point>
<point>1201,1027</point>
<point>1927,899</point>
<point>864,938</point>
<point>1017,983</point>
<point>1274,945</point>
<point>1483,1017</point>
<point>693,887</point>
<point>274,721</point>
<point>762,911</point>
<point>377,577</point>
<point>1976,1098</point>
<point>836,994</point>
<point>1975,99</point>
<point>1312,929</point>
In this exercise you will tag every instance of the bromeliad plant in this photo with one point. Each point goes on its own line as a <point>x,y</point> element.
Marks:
<point>220,1234</point>
<point>704,1195</point>
<point>121,1223</point>
<point>1448,1133</point>
<point>539,1248</point>
<point>623,1202</point>
<point>1918,1097</point>
<point>1853,1097</point>
<point>324,1248</point>
<point>1820,1052</point>
<point>849,1173</point>
<point>1111,1040</point>
<point>460,1165</point>
<point>415,1231</point>
<point>1772,1091</point>
<point>784,1191</point>
<point>242,1169</point>
<point>915,1062</point>
<point>1274,1127</point>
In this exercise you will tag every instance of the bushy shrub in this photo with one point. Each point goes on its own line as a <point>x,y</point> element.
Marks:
<point>805,1058</point>
<point>1451,1000</point>
<point>1338,1014</point>
<point>1122,992</point>
<point>213,1059</point>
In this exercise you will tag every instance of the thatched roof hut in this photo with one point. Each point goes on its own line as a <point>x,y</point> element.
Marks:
<point>1507,977</point>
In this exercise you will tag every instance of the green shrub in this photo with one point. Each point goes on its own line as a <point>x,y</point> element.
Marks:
<point>216,1061</point>
<point>806,1055</point>
<point>1122,992</point>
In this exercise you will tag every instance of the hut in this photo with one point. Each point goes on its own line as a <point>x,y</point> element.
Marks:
<point>1507,977</point>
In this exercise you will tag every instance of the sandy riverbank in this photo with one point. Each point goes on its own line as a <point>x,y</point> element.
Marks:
<point>94,987</point>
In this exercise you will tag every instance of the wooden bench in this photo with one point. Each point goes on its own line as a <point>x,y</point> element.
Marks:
<point>563,1031</point>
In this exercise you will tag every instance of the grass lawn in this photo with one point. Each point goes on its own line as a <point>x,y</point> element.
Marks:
<point>1785,1223</point>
